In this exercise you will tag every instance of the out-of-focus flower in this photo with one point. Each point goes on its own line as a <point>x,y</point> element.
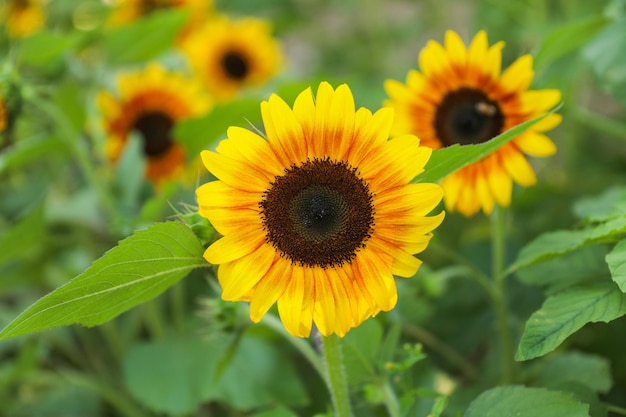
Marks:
<point>22,17</point>
<point>229,55</point>
<point>320,215</point>
<point>150,102</point>
<point>461,97</point>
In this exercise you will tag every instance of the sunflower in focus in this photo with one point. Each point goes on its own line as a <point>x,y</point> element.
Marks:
<point>462,97</point>
<point>321,215</point>
<point>150,102</point>
<point>22,17</point>
<point>229,55</point>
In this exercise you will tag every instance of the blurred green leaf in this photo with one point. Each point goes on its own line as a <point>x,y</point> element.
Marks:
<point>605,54</point>
<point>275,412</point>
<point>565,313</point>
<point>70,100</point>
<point>42,48</point>
<point>360,347</point>
<point>556,274</point>
<point>445,161</point>
<point>521,401</point>
<point>608,204</point>
<point>552,244</point>
<point>566,38</point>
<point>616,260</point>
<point>205,132</point>
<point>589,370</point>
<point>145,38</point>
<point>29,149</point>
<point>129,174</point>
<point>173,376</point>
<point>138,269</point>
<point>25,235</point>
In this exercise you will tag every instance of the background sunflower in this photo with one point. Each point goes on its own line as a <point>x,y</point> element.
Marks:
<point>150,102</point>
<point>461,97</point>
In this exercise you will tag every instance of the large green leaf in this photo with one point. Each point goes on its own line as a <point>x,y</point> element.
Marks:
<point>522,401</point>
<point>145,38</point>
<point>445,161</point>
<point>565,313</point>
<point>552,244</point>
<point>609,204</point>
<point>138,269</point>
<point>616,260</point>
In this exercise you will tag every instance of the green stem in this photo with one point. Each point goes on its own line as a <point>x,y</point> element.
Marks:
<point>616,410</point>
<point>335,375</point>
<point>498,258</point>
<point>391,400</point>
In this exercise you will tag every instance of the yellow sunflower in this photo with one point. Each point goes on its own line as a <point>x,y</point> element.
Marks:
<point>319,216</point>
<point>232,54</point>
<point>22,17</point>
<point>461,96</point>
<point>150,102</point>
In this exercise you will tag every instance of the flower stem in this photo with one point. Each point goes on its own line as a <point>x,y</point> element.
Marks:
<point>498,228</point>
<point>335,375</point>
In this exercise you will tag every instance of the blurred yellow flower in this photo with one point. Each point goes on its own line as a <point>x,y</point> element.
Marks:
<point>320,215</point>
<point>229,55</point>
<point>461,96</point>
<point>150,102</point>
<point>22,17</point>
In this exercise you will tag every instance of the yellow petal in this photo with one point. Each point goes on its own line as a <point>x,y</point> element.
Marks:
<point>269,289</point>
<point>535,144</point>
<point>324,313</point>
<point>455,48</point>
<point>519,75</point>
<point>234,246</point>
<point>237,278</point>
<point>371,132</point>
<point>283,131</point>
<point>237,174</point>
<point>291,303</point>
<point>219,194</point>
<point>517,166</point>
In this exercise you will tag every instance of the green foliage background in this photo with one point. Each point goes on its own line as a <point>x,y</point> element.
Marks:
<point>180,351</point>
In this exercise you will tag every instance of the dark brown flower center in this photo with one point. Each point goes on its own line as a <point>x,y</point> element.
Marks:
<point>235,65</point>
<point>155,130</point>
<point>467,116</point>
<point>319,213</point>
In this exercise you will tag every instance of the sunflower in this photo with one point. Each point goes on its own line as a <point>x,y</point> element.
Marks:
<point>150,102</point>
<point>22,17</point>
<point>232,54</point>
<point>461,97</point>
<point>319,216</point>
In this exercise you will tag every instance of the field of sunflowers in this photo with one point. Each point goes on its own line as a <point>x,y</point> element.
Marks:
<point>327,208</point>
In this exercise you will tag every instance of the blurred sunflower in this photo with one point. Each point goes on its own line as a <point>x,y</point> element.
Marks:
<point>126,11</point>
<point>462,97</point>
<point>22,17</point>
<point>151,102</point>
<point>230,55</point>
<point>319,216</point>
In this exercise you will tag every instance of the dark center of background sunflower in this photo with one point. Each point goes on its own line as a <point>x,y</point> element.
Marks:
<point>155,130</point>
<point>235,65</point>
<point>467,116</point>
<point>318,214</point>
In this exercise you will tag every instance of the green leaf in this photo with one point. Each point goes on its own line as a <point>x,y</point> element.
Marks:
<point>589,370</point>
<point>446,161</point>
<point>521,401</point>
<point>565,313</point>
<point>144,39</point>
<point>567,38</point>
<point>360,347</point>
<point>605,206</point>
<point>138,269</point>
<point>556,274</point>
<point>552,244</point>
<point>23,236</point>
<point>616,260</point>
<point>605,55</point>
<point>29,149</point>
<point>42,48</point>
<point>173,376</point>
<point>204,132</point>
